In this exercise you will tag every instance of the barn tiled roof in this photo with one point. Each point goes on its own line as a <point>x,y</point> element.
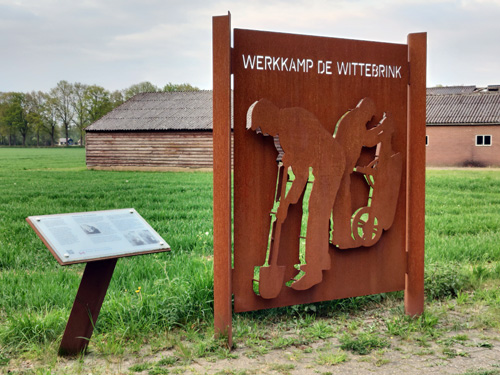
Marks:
<point>193,111</point>
<point>190,110</point>
<point>463,109</point>
<point>446,90</point>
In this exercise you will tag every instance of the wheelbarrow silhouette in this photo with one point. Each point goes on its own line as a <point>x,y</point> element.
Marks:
<point>383,175</point>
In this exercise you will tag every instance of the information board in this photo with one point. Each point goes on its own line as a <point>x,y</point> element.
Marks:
<point>324,197</point>
<point>87,236</point>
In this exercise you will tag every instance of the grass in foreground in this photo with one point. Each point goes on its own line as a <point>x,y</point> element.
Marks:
<point>174,304</point>
<point>36,293</point>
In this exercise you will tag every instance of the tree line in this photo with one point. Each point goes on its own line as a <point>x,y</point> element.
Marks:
<point>40,118</point>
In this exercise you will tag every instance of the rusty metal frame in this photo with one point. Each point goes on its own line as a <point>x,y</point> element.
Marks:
<point>415,242</point>
<point>411,265</point>
<point>222,176</point>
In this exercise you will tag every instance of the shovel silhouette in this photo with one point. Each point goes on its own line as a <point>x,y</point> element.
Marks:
<point>271,277</point>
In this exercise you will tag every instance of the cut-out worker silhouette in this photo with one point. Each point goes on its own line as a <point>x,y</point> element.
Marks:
<point>352,134</point>
<point>306,146</point>
<point>383,175</point>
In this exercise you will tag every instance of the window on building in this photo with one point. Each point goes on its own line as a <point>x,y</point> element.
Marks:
<point>483,140</point>
<point>427,140</point>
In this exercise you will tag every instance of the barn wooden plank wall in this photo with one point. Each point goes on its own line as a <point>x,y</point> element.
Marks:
<point>149,150</point>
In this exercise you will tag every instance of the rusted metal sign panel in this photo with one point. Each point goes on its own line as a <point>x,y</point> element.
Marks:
<point>320,137</point>
<point>329,170</point>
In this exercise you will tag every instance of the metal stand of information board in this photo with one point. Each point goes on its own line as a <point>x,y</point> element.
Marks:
<point>87,305</point>
<point>98,239</point>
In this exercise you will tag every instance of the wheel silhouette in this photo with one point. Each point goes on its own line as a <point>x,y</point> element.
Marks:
<point>366,227</point>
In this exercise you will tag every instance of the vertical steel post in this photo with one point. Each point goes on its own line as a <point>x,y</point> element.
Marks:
<point>415,241</point>
<point>222,176</point>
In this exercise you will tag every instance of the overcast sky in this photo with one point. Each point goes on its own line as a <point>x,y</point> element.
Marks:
<point>116,43</point>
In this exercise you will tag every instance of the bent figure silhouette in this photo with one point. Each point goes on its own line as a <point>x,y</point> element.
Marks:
<point>306,145</point>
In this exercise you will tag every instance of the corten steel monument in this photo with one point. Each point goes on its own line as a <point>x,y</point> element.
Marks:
<point>329,169</point>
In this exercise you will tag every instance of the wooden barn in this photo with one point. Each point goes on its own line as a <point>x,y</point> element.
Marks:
<point>154,131</point>
<point>463,126</point>
<point>173,130</point>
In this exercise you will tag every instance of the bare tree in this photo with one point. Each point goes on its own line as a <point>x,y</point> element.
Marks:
<point>80,108</point>
<point>35,102</point>
<point>63,97</point>
<point>50,115</point>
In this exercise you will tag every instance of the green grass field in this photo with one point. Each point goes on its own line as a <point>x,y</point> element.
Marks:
<point>176,288</point>
<point>36,293</point>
